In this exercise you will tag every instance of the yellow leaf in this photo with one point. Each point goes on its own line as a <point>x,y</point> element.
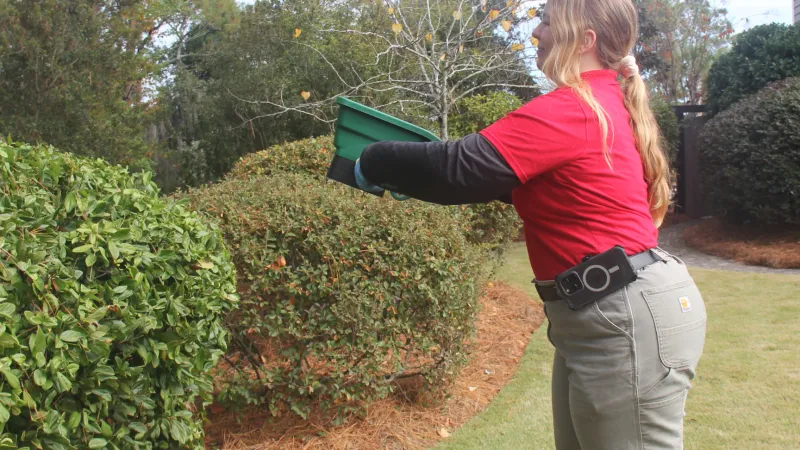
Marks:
<point>390,10</point>
<point>490,284</point>
<point>457,15</point>
<point>493,14</point>
<point>472,388</point>
<point>517,47</point>
<point>305,95</point>
<point>443,433</point>
<point>297,32</point>
<point>509,3</point>
<point>534,41</point>
<point>206,264</point>
<point>441,58</point>
<point>428,37</point>
<point>506,25</point>
<point>397,28</point>
<point>532,13</point>
<point>461,48</point>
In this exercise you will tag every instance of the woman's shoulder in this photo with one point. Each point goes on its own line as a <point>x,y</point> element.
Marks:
<point>560,102</point>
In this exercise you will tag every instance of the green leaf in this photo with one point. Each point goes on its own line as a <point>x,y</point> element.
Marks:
<point>178,431</point>
<point>4,414</point>
<point>12,379</point>
<point>7,310</point>
<point>98,443</point>
<point>63,382</point>
<point>83,248</point>
<point>72,336</point>
<point>8,341</point>
<point>112,248</point>
<point>55,443</point>
<point>39,342</point>
<point>74,420</point>
<point>26,397</point>
<point>70,202</point>
<point>106,430</point>
<point>138,427</point>
<point>91,258</point>
<point>97,315</point>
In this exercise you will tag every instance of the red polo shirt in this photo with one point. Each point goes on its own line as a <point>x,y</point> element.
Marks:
<point>571,202</point>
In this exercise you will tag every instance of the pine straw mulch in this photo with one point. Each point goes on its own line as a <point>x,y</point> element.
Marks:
<point>507,319</point>
<point>778,248</point>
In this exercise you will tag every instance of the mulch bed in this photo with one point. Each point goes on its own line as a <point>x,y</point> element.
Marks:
<point>778,248</point>
<point>506,322</point>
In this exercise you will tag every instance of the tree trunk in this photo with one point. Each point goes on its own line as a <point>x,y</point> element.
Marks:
<point>443,126</point>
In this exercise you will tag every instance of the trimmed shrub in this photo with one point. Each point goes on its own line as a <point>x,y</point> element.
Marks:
<point>750,157</point>
<point>491,225</point>
<point>308,156</point>
<point>110,307</point>
<point>759,56</point>
<point>342,292</point>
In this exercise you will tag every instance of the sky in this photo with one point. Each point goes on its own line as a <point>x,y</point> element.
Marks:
<point>758,12</point>
<point>739,11</point>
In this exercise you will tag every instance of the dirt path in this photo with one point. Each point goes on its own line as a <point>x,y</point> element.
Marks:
<point>671,240</point>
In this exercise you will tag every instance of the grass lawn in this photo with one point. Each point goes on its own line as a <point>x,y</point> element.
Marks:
<point>746,394</point>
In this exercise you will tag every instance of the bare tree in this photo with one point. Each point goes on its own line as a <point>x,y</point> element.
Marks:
<point>427,55</point>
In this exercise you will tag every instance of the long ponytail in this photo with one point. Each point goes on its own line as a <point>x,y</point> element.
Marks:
<point>646,133</point>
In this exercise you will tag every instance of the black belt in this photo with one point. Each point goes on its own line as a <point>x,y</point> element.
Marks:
<point>639,261</point>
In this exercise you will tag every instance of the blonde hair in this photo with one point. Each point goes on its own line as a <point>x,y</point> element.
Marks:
<point>615,24</point>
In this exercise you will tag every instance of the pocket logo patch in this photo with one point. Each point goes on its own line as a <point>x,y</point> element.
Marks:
<point>686,305</point>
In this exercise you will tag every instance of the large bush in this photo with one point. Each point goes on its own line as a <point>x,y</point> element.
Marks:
<point>342,292</point>
<point>490,225</point>
<point>110,307</point>
<point>759,56</point>
<point>750,156</point>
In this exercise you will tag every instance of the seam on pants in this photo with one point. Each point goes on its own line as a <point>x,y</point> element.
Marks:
<point>635,361</point>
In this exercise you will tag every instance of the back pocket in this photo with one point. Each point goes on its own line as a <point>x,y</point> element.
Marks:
<point>679,314</point>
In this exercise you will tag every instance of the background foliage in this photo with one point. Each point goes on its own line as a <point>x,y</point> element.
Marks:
<point>72,75</point>
<point>111,302</point>
<point>750,156</point>
<point>669,127</point>
<point>759,56</point>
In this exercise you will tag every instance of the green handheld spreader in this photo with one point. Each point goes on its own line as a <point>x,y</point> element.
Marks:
<point>358,126</point>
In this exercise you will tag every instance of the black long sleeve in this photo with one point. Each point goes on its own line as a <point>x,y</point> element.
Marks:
<point>468,170</point>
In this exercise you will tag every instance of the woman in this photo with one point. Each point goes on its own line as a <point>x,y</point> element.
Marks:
<point>586,174</point>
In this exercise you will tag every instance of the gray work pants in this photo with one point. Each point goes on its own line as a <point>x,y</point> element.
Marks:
<point>623,365</point>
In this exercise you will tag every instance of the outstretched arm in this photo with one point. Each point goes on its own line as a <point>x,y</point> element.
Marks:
<point>468,170</point>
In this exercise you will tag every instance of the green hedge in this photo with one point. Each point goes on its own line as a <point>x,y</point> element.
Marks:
<point>110,307</point>
<point>491,225</point>
<point>750,157</point>
<point>342,291</point>
<point>759,56</point>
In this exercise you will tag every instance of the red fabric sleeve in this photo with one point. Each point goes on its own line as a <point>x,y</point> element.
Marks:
<point>542,135</point>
